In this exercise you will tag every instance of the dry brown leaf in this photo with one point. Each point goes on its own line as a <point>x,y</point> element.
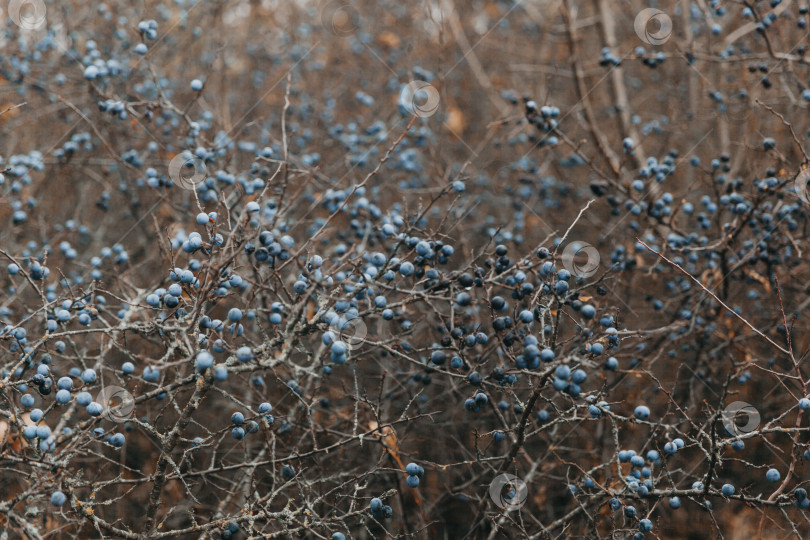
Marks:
<point>532,221</point>
<point>4,432</point>
<point>10,437</point>
<point>388,437</point>
<point>389,39</point>
<point>9,112</point>
<point>493,10</point>
<point>455,121</point>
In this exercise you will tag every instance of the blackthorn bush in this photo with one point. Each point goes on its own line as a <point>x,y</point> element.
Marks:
<point>355,269</point>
